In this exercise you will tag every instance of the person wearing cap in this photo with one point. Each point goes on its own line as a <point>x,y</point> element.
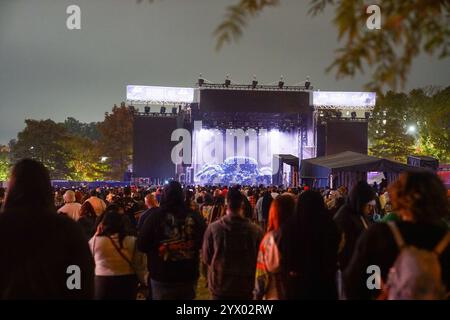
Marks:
<point>70,207</point>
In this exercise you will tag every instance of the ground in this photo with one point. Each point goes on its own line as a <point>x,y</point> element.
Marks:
<point>202,291</point>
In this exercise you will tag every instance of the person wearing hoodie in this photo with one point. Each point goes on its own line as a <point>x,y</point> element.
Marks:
<point>230,249</point>
<point>352,219</point>
<point>171,237</point>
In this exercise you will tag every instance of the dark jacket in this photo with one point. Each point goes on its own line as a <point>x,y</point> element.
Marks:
<point>351,220</point>
<point>378,247</point>
<point>351,225</point>
<point>172,239</point>
<point>230,249</point>
<point>309,258</point>
<point>87,224</point>
<point>144,217</point>
<point>36,250</point>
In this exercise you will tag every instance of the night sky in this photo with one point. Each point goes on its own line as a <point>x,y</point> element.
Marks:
<point>47,71</point>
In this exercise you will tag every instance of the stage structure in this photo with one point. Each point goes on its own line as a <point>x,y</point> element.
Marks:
<point>341,121</point>
<point>246,134</point>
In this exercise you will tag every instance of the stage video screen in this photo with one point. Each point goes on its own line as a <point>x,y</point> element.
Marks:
<point>236,156</point>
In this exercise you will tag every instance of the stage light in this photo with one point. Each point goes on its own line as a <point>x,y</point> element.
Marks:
<point>147,109</point>
<point>254,82</point>
<point>201,81</point>
<point>227,81</point>
<point>353,115</point>
<point>367,115</point>
<point>281,83</point>
<point>307,83</point>
<point>174,110</point>
<point>163,109</point>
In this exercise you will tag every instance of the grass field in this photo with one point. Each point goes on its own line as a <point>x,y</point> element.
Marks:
<point>202,291</point>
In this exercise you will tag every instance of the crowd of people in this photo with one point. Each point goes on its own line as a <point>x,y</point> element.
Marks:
<point>249,242</point>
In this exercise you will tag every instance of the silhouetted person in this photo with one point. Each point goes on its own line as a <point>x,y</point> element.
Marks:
<point>352,219</point>
<point>38,246</point>
<point>308,248</point>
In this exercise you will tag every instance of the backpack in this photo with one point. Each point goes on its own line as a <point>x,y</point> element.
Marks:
<point>416,272</point>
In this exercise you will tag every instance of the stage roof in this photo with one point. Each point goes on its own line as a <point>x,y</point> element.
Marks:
<point>349,161</point>
<point>288,159</point>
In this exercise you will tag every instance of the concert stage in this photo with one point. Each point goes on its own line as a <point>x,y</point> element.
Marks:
<point>245,134</point>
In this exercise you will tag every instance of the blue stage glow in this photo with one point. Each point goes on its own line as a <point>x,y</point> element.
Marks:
<point>234,170</point>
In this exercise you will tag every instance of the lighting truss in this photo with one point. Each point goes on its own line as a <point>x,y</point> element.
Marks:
<point>222,86</point>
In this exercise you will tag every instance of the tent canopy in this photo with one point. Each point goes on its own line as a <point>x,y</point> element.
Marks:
<point>349,166</point>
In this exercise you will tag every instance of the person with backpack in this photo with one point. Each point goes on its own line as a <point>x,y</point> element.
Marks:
<point>230,249</point>
<point>412,255</point>
<point>269,283</point>
<point>172,237</point>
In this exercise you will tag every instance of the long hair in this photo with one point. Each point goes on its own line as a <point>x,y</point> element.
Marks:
<point>422,194</point>
<point>280,210</point>
<point>113,223</point>
<point>303,234</point>
<point>29,188</point>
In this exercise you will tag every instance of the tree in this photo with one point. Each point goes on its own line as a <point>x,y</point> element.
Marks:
<point>388,132</point>
<point>116,141</point>
<point>435,125</point>
<point>85,160</point>
<point>43,140</point>
<point>4,163</point>
<point>84,130</point>
<point>408,28</point>
<point>418,122</point>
